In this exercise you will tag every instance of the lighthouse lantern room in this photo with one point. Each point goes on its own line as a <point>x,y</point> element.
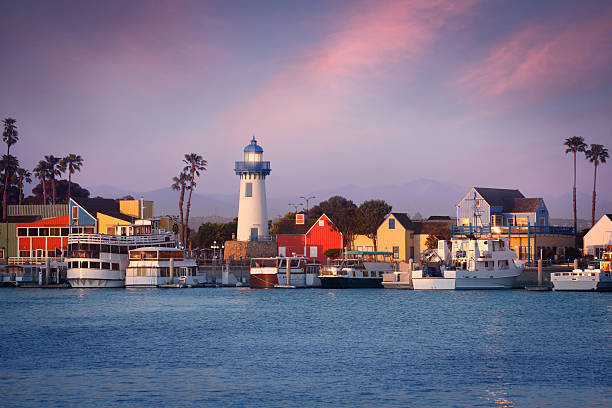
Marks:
<point>252,207</point>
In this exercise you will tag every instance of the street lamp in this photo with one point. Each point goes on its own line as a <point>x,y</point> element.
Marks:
<point>307,199</point>
<point>294,206</point>
<point>214,246</point>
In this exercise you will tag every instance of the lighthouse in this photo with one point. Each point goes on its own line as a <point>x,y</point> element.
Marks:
<point>252,207</point>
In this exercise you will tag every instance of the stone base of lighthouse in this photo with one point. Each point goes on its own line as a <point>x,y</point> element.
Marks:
<point>237,250</point>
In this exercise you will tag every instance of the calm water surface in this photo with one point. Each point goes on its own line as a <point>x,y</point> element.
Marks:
<point>242,347</point>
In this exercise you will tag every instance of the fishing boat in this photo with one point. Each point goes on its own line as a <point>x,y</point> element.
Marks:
<point>597,277</point>
<point>100,260</point>
<point>470,263</point>
<point>357,269</point>
<point>158,266</point>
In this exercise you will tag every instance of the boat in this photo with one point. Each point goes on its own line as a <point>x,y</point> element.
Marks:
<point>263,273</point>
<point>100,260</point>
<point>33,273</point>
<point>302,273</point>
<point>596,277</point>
<point>357,269</point>
<point>160,267</point>
<point>469,263</point>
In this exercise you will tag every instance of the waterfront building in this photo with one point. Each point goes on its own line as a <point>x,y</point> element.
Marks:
<point>308,238</point>
<point>599,237</point>
<point>505,212</point>
<point>41,239</point>
<point>438,226</point>
<point>396,234</point>
<point>252,206</point>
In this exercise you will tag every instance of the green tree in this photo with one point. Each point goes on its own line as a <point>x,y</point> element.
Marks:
<point>10,136</point>
<point>596,154</point>
<point>23,175</point>
<point>574,145</point>
<point>53,171</point>
<point>71,163</point>
<point>343,213</point>
<point>41,172</point>
<point>287,218</point>
<point>180,184</point>
<point>371,214</point>
<point>431,242</point>
<point>194,165</point>
<point>210,232</point>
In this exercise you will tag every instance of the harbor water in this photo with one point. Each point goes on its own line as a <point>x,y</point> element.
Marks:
<point>311,347</point>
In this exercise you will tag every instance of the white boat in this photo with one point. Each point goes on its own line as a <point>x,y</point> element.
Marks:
<point>470,264</point>
<point>359,269</point>
<point>100,260</point>
<point>33,273</point>
<point>157,266</point>
<point>302,272</point>
<point>590,279</point>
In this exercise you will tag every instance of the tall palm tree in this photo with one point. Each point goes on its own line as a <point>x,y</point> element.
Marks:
<point>574,145</point>
<point>53,171</point>
<point>71,163</point>
<point>41,171</point>
<point>179,183</point>
<point>195,164</point>
<point>23,175</point>
<point>9,164</point>
<point>596,154</point>
<point>10,136</point>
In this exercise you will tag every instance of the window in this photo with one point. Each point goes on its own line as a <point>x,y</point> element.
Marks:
<point>321,223</point>
<point>22,232</point>
<point>366,274</point>
<point>105,265</point>
<point>115,266</point>
<point>412,252</point>
<point>43,232</point>
<point>33,232</point>
<point>94,265</point>
<point>395,252</point>
<point>75,213</point>
<point>391,223</point>
<point>313,252</point>
<point>85,264</point>
<point>248,191</point>
<point>54,232</point>
<point>478,203</point>
<point>65,232</point>
<point>542,221</point>
<point>282,251</point>
<point>24,254</point>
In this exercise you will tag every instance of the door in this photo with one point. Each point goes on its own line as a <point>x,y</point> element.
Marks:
<point>254,234</point>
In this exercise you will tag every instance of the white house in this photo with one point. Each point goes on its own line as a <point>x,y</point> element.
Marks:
<point>599,237</point>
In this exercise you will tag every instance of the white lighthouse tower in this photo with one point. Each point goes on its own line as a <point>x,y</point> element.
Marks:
<point>252,207</point>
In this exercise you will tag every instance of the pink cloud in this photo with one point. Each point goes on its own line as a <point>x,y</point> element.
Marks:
<point>546,59</point>
<point>324,79</point>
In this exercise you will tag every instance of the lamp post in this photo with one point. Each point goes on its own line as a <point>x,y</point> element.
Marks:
<point>307,198</point>
<point>294,206</point>
<point>214,247</point>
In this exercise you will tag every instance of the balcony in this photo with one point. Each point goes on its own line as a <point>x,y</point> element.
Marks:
<point>511,230</point>
<point>252,167</point>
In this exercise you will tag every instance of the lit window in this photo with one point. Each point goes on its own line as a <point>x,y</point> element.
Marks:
<point>75,213</point>
<point>321,223</point>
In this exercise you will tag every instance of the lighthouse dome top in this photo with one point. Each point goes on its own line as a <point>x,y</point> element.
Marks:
<point>253,147</point>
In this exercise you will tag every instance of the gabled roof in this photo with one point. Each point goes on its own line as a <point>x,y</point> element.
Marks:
<point>44,211</point>
<point>106,206</point>
<point>498,196</point>
<point>439,218</point>
<point>431,227</point>
<point>47,222</point>
<point>522,205</point>
<point>289,227</point>
<point>22,218</point>
<point>403,219</point>
<point>609,216</point>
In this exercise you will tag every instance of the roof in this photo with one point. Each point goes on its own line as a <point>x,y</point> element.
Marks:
<point>41,210</point>
<point>439,218</point>
<point>17,219</point>
<point>289,227</point>
<point>522,205</point>
<point>609,216</point>
<point>106,206</point>
<point>47,222</point>
<point>431,227</point>
<point>367,253</point>
<point>253,147</point>
<point>403,219</point>
<point>498,196</point>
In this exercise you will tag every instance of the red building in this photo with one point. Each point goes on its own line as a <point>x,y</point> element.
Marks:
<point>43,238</point>
<point>308,238</point>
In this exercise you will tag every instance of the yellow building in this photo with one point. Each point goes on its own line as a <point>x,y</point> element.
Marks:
<point>362,243</point>
<point>136,208</point>
<point>172,225</point>
<point>107,223</point>
<point>396,234</point>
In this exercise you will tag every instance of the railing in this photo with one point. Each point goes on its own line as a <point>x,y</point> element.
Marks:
<point>252,167</point>
<point>140,240</point>
<point>30,260</point>
<point>512,230</point>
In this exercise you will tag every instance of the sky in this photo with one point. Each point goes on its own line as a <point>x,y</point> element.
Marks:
<point>337,92</point>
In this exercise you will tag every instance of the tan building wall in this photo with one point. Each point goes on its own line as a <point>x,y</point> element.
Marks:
<point>362,243</point>
<point>171,225</point>
<point>598,237</point>
<point>106,221</point>
<point>398,237</point>
<point>134,207</point>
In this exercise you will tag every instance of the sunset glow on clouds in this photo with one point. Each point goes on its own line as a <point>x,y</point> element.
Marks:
<point>404,86</point>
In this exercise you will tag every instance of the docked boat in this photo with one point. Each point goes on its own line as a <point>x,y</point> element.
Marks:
<point>100,260</point>
<point>29,274</point>
<point>597,277</point>
<point>358,269</point>
<point>302,273</point>
<point>160,266</point>
<point>469,264</point>
<point>263,273</point>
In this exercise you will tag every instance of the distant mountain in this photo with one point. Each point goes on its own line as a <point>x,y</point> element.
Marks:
<point>428,197</point>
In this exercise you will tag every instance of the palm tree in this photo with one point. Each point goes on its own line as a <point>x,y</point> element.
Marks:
<point>596,154</point>
<point>53,171</point>
<point>10,136</point>
<point>23,175</point>
<point>41,171</point>
<point>180,184</point>
<point>195,164</point>
<point>574,145</point>
<point>9,164</point>
<point>72,163</point>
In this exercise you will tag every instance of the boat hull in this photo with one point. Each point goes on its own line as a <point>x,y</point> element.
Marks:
<point>433,284</point>
<point>300,280</point>
<point>334,282</point>
<point>96,283</point>
<point>263,280</point>
<point>95,278</point>
<point>505,282</point>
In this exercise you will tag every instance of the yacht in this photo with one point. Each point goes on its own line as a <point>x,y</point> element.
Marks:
<point>158,266</point>
<point>597,277</point>
<point>100,260</point>
<point>469,263</point>
<point>358,269</point>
